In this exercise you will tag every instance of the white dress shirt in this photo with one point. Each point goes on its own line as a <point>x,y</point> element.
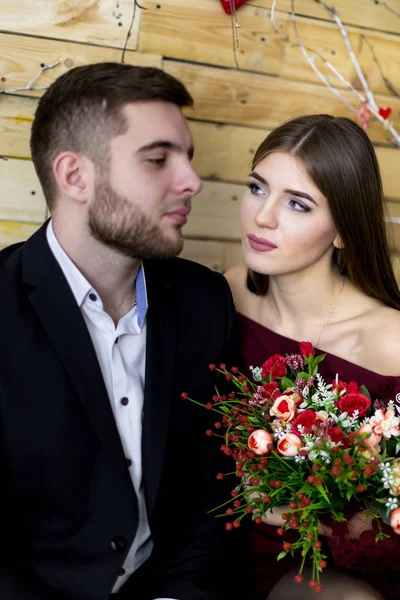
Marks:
<point>121,352</point>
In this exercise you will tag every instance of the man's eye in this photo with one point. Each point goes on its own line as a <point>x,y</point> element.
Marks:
<point>158,161</point>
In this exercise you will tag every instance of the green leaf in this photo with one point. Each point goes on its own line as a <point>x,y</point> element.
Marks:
<point>302,375</point>
<point>319,359</point>
<point>286,383</point>
<point>365,392</point>
<point>281,555</point>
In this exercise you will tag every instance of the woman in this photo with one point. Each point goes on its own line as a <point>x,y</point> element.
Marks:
<point>318,269</point>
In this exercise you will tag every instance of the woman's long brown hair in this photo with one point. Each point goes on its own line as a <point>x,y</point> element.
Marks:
<point>340,159</point>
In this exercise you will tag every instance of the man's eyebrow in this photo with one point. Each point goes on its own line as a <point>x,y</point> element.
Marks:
<point>255,175</point>
<point>166,145</point>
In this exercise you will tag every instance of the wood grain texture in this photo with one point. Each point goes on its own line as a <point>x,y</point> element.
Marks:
<point>100,22</point>
<point>12,232</point>
<point>362,13</point>
<point>22,197</point>
<point>202,32</point>
<point>21,58</point>
<point>264,101</point>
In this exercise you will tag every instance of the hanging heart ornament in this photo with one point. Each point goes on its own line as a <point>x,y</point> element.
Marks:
<point>385,112</point>
<point>227,4</point>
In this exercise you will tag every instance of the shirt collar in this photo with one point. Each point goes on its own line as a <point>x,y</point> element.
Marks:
<point>81,287</point>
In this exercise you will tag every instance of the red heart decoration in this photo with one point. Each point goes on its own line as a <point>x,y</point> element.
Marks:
<point>226,4</point>
<point>385,112</point>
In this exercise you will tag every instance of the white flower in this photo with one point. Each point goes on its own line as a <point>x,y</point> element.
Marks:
<point>392,503</point>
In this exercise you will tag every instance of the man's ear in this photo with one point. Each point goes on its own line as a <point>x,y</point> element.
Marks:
<point>337,242</point>
<point>72,174</point>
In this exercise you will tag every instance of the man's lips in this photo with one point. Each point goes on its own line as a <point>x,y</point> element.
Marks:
<point>179,215</point>
<point>260,244</point>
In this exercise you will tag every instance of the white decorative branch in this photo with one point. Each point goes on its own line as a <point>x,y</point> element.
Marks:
<point>31,83</point>
<point>285,39</point>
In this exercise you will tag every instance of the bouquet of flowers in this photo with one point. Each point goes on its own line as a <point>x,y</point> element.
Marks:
<point>311,446</point>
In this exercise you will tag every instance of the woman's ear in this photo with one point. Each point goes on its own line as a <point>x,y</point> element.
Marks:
<point>337,242</point>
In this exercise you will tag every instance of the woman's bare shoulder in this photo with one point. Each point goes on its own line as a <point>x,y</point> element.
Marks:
<point>384,339</point>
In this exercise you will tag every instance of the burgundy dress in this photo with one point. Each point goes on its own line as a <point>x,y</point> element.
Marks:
<point>379,564</point>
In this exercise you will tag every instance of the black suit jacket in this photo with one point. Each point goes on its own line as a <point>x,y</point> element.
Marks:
<point>68,511</point>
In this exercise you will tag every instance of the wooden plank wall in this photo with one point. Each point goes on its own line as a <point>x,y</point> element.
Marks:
<point>235,107</point>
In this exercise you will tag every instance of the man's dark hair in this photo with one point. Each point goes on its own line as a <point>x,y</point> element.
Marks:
<point>83,110</point>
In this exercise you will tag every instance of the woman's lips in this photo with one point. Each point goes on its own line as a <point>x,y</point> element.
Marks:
<point>260,244</point>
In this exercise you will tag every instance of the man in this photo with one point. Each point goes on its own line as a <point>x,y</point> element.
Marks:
<point>107,474</point>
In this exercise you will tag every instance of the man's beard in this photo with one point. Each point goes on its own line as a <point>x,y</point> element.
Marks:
<point>117,223</point>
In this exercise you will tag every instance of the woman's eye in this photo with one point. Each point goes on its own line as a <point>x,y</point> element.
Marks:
<point>255,189</point>
<point>299,206</point>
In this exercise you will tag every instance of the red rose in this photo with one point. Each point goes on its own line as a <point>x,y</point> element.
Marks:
<point>341,386</point>
<point>271,390</point>
<point>306,420</point>
<point>307,349</point>
<point>336,433</point>
<point>353,387</point>
<point>355,401</point>
<point>274,366</point>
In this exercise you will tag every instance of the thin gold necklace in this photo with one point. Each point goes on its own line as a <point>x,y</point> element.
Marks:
<point>324,325</point>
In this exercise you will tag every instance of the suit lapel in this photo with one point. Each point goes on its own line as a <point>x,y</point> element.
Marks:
<point>55,306</point>
<point>160,354</point>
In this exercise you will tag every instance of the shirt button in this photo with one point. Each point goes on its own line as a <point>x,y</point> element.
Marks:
<point>93,297</point>
<point>124,400</point>
<point>121,572</point>
<point>118,543</point>
<point>129,462</point>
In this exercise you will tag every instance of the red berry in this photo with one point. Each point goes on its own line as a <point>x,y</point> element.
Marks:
<point>280,531</point>
<point>236,524</point>
<point>361,488</point>
<point>312,583</point>
<point>318,588</point>
<point>217,425</point>
<point>236,503</point>
<point>309,535</point>
<point>249,510</point>
<point>298,578</point>
<point>317,544</point>
<point>220,476</point>
<point>184,395</point>
<point>245,389</point>
<point>267,499</point>
<point>300,497</point>
<point>209,406</point>
<point>222,366</point>
<point>229,377</point>
<point>209,432</point>
<point>228,526</point>
<point>311,479</point>
<point>211,367</point>
<point>294,524</point>
<point>258,520</point>
<point>322,564</point>
<point>315,467</point>
<point>293,505</point>
<point>234,369</point>
<point>318,481</point>
<point>287,546</point>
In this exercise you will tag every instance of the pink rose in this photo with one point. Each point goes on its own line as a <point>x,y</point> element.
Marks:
<point>284,408</point>
<point>395,520</point>
<point>289,444</point>
<point>373,439</point>
<point>260,442</point>
<point>294,395</point>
